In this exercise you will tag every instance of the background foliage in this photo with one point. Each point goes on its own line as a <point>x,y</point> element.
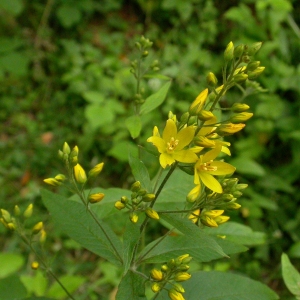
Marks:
<point>65,76</point>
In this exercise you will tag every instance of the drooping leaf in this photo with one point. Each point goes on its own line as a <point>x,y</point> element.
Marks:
<point>132,286</point>
<point>238,233</point>
<point>290,276</point>
<point>140,172</point>
<point>223,286</point>
<point>10,263</point>
<point>74,220</point>
<point>35,284</point>
<point>12,288</point>
<point>155,99</point>
<point>134,125</point>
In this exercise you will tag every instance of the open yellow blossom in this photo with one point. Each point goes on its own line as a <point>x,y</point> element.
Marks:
<point>171,144</point>
<point>206,168</point>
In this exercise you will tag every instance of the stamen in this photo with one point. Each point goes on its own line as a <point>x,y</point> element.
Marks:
<point>172,144</point>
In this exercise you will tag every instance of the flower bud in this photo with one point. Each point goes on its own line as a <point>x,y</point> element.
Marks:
<point>43,236</point>
<point>133,218</point>
<point>205,115</point>
<point>34,265</point>
<point>6,215</point>
<point>198,103</point>
<point>194,216</point>
<point>60,177</point>
<point>254,48</point>
<point>230,128</point>
<point>228,53</point>
<point>221,219</point>
<point>254,74</point>
<point>151,213</point>
<point>11,226</point>
<point>37,227</point>
<point>233,205</point>
<point>241,117</point>
<point>95,198</point>
<point>60,154</point>
<point>239,107</point>
<point>148,197</point>
<point>253,65</point>
<point>237,194</point>
<point>156,287</point>
<point>207,221</point>
<point>193,194</point>
<point>124,199</point>
<point>240,77</point>
<point>238,51</point>
<point>203,141</point>
<point>246,59</point>
<point>164,268</point>
<point>241,186</point>
<point>79,174</point>
<point>17,211</point>
<point>211,79</point>
<point>213,213</point>
<point>3,222</point>
<point>135,187</point>
<point>174,295</point>
<point>119,205</point>
<point>145,53</point>
<point>178,287</point>
<point>52,181</point>
<point>184,118</point>
<point>28,211</point>
<point>96,170</point>
<point>182,276</point>
<point>185,258</point>
<point>142,192</point>
<point>66,148</point>
<point>156,275</point>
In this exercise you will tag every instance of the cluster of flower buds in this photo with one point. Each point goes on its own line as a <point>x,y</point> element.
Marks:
<point>70,158</point>
<point>14,221</point>
<point>172,272</point>
<point>139,201</point>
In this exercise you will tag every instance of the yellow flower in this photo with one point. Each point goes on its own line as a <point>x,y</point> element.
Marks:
<point>79,174</point>
<point>171,145</point>
<point>206,167</point>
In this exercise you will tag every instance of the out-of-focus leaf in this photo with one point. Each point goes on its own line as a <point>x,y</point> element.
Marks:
<point>134,125</point>
<point>245,165</point>
<point>11,288</point>
<point>68,15</point>
<point>10,263</point>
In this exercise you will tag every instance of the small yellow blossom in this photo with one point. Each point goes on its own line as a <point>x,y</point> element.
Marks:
<point>156,274</point>
<point>198,103</point>
<point>95,198</point>
<point>174,295</point>
<point>171,145</point>
<point>206,168</point>
<point>79,174</point>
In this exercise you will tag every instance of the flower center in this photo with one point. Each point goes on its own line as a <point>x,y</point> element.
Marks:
<point>207,166</point>
<point>172,144</point>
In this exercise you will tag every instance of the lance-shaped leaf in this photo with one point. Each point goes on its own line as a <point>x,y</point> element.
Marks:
<point>73,219</point>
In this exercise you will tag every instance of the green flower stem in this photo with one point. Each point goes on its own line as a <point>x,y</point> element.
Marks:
<point>85,203</point>
<point>44,264</point>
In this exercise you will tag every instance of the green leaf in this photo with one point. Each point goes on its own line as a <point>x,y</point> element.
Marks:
<point>130,238</point>
<point>121,149</point>
<point>38,298</point>
<point>158,76</point>
<point>68,15</point>
<point>223,286</point>
<point>11,288</point>
<point>134,125</point>
<point>290,276</point>
<point>238,233</point>
<point>74,220</point>
<point>70,282</point>
<point>98,115</point>
<point>202,248</point>
<point>294,251</point>
<point>93,97</point>
<point>10,263</point>
<point>245,165</point>
<point>140,172</point>
<point>156,99</point>
<point>36,284</point>
<point>15,7</point>
<point>210,249</point>
<point>132,286</point>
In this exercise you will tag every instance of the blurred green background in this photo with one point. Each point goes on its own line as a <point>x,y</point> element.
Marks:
<point>65,76</point>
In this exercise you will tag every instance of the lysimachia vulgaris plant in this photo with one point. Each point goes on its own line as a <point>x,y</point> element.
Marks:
<point>189,196</point>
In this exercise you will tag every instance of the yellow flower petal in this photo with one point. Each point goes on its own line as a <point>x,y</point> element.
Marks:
<point>184,137</point>
<point>222,168</point>
<point>185,156</point>
<point>165,159</point>
<point>170,130</point>
<point>211,182</point>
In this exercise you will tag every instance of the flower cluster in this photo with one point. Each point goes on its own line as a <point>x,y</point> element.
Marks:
<point>139,202</point>
<point>76,174</point>
<point>196,140</point>
<point>172,272</point>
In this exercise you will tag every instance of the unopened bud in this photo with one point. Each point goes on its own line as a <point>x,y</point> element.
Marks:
<point>11,226</point>
<point>254,48</point>
<point>253,65</point>
<point>178,287</point>
<point>66,148</point>
<point>175,295</point>
<point>156,274</point>
<point>148,197</point>
<point>43,236</point>
<point>182,276</point>
<point>79,174</point>
<point>239,107</point>
<point>205,115</point>
<point>124,199</point>
<point>211,79</point>
<point>241,117</point>
<point>240,77</point>
<point>119,205</point>
<point>37,228</point>
<point>254,74</point>
<point>28,211</point>
<point>241,186</point>
<point>34,265</point>
<point>233,205</point>
<point>151,213</point>
<point>95,198</point>
<point>60,177</point>
<point>228,53</point>
<point>156,287</point>
<point>6,215</point>
<point>198,103</point>
<point>52,181</point>
<point>238,51</point>
<point>133,218</point>
<point>135,187</point>
<point>203,141</point>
